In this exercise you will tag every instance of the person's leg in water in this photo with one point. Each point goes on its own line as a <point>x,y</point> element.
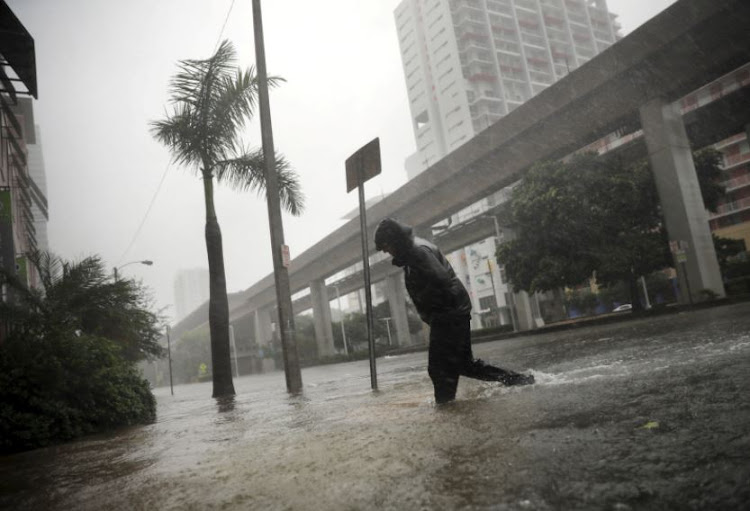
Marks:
<point>444,359</point>
<point>481,370</point>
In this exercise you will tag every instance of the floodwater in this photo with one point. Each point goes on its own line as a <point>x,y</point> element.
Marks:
<point>644,414</point>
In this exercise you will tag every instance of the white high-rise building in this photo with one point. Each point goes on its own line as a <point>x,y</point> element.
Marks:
<point>190,291</point>
<point>468,63</point>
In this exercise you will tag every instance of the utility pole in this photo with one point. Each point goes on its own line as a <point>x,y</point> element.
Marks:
<point>341,312</point>
<point>278,249</point>
<point>169,352</point>
<point>388,326</point>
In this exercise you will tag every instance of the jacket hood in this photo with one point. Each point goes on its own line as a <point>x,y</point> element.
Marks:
<point>393,233</point>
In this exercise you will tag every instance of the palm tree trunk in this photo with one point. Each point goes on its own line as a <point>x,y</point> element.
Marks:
<point>218,304</point>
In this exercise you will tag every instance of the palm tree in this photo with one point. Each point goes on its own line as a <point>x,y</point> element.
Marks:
<point>212,100</point>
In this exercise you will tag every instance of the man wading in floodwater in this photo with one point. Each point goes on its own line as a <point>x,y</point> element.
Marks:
<point>443,303</point>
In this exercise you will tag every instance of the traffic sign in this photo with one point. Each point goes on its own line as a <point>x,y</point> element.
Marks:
<point>363,165</point>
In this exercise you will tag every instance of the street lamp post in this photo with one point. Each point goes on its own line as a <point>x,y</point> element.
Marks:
<point>388,326</point>
<point>169,352</point>
<point>145,262</point>
<point>341,312</point>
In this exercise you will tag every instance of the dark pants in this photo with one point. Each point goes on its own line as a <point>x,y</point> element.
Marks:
<point>450,357</point>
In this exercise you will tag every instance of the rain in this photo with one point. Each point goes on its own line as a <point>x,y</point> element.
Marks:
<point>570,178</point>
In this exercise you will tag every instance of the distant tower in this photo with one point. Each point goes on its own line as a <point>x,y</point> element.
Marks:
<point>190,291</point>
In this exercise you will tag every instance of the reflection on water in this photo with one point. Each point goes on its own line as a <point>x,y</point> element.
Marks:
<point>340,445</point>
<point>225,403</point>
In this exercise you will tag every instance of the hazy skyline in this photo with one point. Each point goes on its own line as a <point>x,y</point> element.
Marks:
<point>103,71</point>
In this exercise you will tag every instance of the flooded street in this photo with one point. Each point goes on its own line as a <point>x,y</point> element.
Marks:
<point>645,414</point>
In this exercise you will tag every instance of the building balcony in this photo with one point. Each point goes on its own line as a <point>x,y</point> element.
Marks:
<point>478,38</point>
<point>729,141</point>
<point>482,77</point>
<point>466,21</point>
<point>486,100</point>
<point>578,18</point>
<point>538,61</point>
<point>737,183</point>
<point>732,207</point>
<point>529,24</point>
<point>735,160</point>
<point>459,5</point>
<point>554,20</point>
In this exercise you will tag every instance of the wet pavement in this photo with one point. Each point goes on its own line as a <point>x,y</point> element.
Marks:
<point>645,414</point>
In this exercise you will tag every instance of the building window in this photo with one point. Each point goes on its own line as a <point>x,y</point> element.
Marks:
<point>487,302</point>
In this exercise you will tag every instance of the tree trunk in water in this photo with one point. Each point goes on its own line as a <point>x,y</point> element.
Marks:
<point>218,304</point>
<point>635,295</point>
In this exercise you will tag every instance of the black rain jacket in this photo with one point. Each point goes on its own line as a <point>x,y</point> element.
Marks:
<point>430,280</point>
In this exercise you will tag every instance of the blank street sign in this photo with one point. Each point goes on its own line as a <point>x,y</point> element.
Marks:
<point>363,165</point>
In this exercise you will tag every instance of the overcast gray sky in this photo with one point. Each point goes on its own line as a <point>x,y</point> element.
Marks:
<point>103,70</point>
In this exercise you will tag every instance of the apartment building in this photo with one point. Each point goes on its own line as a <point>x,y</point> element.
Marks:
<point>732,218</point>
<point>17,189</point>
<point>468,63</point>
<point>38,191</point>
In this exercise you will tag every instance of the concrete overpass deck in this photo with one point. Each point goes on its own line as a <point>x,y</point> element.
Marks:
<point>688,45</point>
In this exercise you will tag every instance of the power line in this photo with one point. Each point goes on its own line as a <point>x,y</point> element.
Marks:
<point>221,33</point>
<point>138,231</point>
<point>164,175</point>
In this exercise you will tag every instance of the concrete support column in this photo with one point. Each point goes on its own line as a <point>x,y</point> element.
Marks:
<point>524,311</point>
<point>524,315</point>
<point>263,332</point>
<point>396,293</point>
<point>322,318</point>
<point>423,232</point>
<point>685,216</point>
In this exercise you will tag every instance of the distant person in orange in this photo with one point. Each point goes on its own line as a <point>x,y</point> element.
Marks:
<point>443,303</point>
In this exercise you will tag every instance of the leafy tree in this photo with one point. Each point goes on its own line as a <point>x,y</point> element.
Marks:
<point>592,215</point>
<point>307,346</point>
<point>581,299</point>
<point>660,288</point>
<point>212,101</point>
<point>67,365</point>
<point>708,169</point>
<point>83,297</point>
<point>726,249</point>
<point>188,353</point>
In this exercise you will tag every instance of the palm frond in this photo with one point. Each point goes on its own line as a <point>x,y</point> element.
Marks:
<point>239,97</point>
<point>194,82</point>
<point>48,265</point>
<point>177,132</point>
<point>247,172</point>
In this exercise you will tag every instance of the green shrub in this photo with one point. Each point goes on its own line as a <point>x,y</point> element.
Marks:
<point>56,386</point>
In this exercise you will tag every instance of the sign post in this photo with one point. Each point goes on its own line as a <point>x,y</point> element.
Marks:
<point>679,250</point>
<point>360,167</point>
